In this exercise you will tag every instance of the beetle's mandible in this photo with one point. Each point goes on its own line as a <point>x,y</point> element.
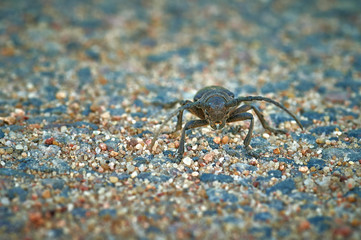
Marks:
<point>216,106</point>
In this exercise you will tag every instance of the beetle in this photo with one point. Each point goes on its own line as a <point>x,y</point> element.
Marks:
<point>216,106</point>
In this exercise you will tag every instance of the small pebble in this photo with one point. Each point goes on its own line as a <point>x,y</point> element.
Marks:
<point>187,161</point>
<point>103,146</point>
<point>9,150</point>
<point>304,225</point>
<point>225,139</point>
<point>277,151</point>
<point>303,169</point>
<point>19,112</point>
<point>60,95</point>
<point>142,168</point>
<point>130,168</point>
<point>113,179</point>
<point>105,115</point>
<point>19,147</point>
<point>134,174</point>
<point>195,174</point>
<point>49,141</point>
<point>217,140</point>
<point>63,129</point>
<point>208,157</point>
<point>265,135</point>
<point>46,194</point>
<point>113,154</point>
<point>351,183</point>
<point>5,201</point>
<point>342,232</point>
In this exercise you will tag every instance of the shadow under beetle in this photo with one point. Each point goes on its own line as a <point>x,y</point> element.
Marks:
<point>216,106</point>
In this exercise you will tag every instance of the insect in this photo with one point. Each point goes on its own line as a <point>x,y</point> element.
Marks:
<point>216,106</point>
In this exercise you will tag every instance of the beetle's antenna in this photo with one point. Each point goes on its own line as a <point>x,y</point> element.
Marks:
<point>182,108</point>
<point>235,102</point>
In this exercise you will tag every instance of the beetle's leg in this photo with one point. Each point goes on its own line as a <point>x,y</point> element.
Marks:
<point>241,117</point>
<point>260,116</point>
<point>235,102</point>
<point>180,109</point>
<point>197,111</point>
<point>265,125</point>
<point>179,118</point>
<point>189,125</point>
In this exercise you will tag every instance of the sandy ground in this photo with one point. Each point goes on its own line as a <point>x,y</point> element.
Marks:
<point>85,84</point>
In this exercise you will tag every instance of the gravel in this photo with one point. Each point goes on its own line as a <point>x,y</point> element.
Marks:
<point>84,85</point>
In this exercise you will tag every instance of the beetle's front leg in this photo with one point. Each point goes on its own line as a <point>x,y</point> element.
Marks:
<point>189,125</point>
<point>241,117</point>
<point>179,118</point>
<point>187,105</point>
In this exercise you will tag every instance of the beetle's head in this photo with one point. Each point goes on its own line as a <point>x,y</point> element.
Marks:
<point>216,112</point>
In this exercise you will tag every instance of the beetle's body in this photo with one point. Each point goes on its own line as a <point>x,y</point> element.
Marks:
<point>217,97</point>
<point>216,106</point>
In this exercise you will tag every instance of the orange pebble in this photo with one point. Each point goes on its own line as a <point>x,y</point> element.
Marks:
<point>46,194</point>
<point>36,218</point>
<point>225,140</point>
<point>276,151</point>
<point>217,140</point>
<point>343,231</point>
<point>304,225</point>
<point>103,146</point>
<point>208,157</point>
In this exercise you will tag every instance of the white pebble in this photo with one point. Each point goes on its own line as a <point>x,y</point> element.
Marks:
<point>97,150</point>
<point>337,133</point>
<point>130,167</point>
<point>19,147</point>
<point>303,169</point>
<point>5,201</point>
<point>70,207</point>
<point>111,165</point>
<point>134,174</point>
<point>187,161</point>
<point>142,168</point>
<point>63,129</point>
<point>60,95</point>
<point>326,170</point>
